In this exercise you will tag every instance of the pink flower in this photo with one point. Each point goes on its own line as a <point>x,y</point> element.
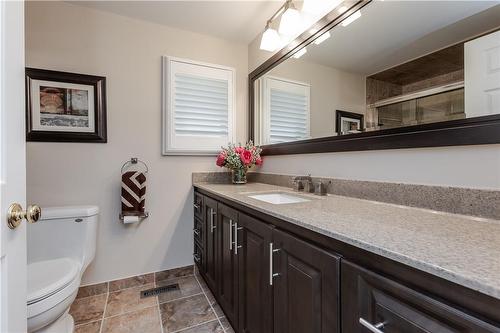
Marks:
<point>246,157</point>
<point>221,159</point>
<point>258,161</point>
<point>239,150</point>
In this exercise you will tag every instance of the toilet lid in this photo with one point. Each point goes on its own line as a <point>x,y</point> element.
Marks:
<point>49,276</point>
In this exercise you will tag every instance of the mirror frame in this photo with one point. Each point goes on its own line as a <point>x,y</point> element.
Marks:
<point>472,131</point>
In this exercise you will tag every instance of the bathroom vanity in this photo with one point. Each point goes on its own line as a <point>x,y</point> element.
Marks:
<point>339,264</point>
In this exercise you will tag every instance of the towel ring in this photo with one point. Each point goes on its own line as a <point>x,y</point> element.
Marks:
<point>134,160</point>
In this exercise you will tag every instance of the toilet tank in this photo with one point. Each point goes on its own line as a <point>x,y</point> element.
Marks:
<point>69,231</point>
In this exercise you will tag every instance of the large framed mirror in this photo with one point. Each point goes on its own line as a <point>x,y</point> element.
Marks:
<point>383,75</point>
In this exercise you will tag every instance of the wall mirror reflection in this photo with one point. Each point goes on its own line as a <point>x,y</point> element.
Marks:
<point>383,68</point>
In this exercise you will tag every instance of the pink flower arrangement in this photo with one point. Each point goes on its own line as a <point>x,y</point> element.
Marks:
<point>239,157</point>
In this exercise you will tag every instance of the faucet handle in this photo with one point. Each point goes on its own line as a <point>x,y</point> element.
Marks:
<point>298,185</point>
<point>320,188</point>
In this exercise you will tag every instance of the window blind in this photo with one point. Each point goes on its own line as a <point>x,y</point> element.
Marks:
<point>287,110</point>
<point>200,106</point>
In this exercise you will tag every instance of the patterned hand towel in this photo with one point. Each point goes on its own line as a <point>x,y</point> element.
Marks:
<point>133,191</point>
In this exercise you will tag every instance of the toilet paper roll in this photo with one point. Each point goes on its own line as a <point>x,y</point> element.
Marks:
<point>130,219</point>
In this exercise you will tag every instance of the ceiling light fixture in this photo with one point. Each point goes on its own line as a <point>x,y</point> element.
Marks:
<point>290,20</point>
<point>351,19</point>
<point>300,53</point>
<point>322,38</point>
<point>271,40</point>
<point>320,7</point>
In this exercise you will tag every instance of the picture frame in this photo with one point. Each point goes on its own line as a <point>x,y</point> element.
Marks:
<point>65,107</point>
<point>348,122</point>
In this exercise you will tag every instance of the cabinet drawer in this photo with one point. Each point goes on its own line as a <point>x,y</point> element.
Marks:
<point>198,205</point>
<point>372,303</point>
<point>199,231</point>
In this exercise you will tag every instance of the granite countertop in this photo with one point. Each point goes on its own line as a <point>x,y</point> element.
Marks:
<point>458,248</point>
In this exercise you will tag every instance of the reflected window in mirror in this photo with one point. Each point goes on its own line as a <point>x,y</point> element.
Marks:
<point>392,66</point>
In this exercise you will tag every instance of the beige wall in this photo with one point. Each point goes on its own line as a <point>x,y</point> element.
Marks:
<point>331,89</point>
<point>128,52</point>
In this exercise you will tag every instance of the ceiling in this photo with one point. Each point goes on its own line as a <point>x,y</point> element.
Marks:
<point>390,33</point>
<point>237,21</point>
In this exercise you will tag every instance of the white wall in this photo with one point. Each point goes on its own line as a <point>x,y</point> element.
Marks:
<point>128,52</point>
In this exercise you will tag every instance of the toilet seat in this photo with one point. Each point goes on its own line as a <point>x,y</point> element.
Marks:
<point>50,282</point>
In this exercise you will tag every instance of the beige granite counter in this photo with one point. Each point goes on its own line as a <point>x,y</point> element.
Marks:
<point>458,248</point>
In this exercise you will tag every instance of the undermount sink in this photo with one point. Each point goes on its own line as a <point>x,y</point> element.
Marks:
<point>278,198</point>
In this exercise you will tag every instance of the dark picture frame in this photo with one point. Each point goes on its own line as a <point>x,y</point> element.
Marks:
<point>85,119</point>
<point>343,115</point>
<point>471,131</point>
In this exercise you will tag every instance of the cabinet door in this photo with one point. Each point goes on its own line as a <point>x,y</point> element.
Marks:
<point>228,263</point>
<point>255,291</point>
<point>210,250</point>
<point>306,287</point>
<point>371,302</point>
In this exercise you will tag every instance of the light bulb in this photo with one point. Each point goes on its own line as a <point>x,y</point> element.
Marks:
<point>300,53</point>
<point>351,18</point>
<point>290,22</point>
<point>270,40</point>
<point>322,38</point>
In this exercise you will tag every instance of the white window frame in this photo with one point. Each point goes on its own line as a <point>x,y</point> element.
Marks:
<point>196,145</point>
<point>266,86</point>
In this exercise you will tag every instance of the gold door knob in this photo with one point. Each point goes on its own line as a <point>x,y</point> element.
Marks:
<point>15,214</point>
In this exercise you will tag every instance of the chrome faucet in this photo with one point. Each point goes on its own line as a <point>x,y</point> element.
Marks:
<point>303,183</point>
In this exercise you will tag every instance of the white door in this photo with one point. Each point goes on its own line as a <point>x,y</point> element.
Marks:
<point>482,76</point>
<point>12,167</point>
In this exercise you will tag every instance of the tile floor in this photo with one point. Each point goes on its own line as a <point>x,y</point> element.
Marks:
<point>117,307</point>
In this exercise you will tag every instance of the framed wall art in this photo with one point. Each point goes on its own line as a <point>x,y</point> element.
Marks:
<point>348,122</point>
<point>65,107</point>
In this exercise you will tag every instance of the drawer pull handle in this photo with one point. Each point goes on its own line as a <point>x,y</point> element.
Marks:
<point>196,232</point>
<point>236,246</point>
<point>375,328</point>
<point>271,253</point>
<point>230,235</point>
<point>196,206</point>
<point>212,226</point>
<point>196,257</point>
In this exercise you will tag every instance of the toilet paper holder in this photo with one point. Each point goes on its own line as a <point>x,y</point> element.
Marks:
<point>140,215</point>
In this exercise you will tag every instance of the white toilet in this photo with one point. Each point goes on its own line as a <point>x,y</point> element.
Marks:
<point>60,247</point>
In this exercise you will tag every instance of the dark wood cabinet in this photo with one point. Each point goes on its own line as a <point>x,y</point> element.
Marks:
<point>228,262</point>
<point>272,277</point>
<point>255,291</point>
<point>370,300</point>
<point>306,283</point>
<point>210,249</point>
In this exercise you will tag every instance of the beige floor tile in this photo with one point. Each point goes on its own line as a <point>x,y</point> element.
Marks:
<point>185,313</point>
<point>142,321</point>
<point>88,309</point>
<point>218,310</point>
<point>226,325</point>
<point>130,282</point>
<point>211,327</point>
<point>174,273</point>
<point>128,300</point>
<point>93,327</point>
<point>188,286</point>
<point>92,290</point>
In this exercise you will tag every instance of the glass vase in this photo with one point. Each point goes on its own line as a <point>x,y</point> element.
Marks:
<point>239,176</point>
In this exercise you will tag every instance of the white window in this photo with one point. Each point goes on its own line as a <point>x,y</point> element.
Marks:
<point>286,106</point>
<point>198,104</point>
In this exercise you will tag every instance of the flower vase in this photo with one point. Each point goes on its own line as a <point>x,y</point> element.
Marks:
<point>239,176</point>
